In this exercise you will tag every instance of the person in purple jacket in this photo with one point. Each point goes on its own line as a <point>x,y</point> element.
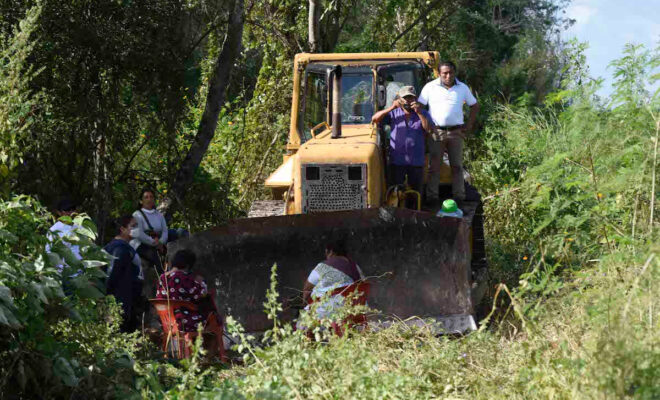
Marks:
<point>410,124</point>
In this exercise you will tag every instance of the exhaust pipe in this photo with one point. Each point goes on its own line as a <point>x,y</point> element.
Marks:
<point>336,102</point>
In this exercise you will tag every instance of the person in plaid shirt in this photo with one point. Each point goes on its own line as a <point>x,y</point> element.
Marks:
<point>179,283</point>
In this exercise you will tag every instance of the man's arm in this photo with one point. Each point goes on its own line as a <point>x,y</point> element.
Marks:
<point>142,236</point>
<point>474,109</point>
<point>307,291</point>
<point>426,124</point>
<point>382,113</point>
<point>164,233</point>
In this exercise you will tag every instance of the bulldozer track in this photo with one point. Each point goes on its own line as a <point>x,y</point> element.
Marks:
<point>266,208</point>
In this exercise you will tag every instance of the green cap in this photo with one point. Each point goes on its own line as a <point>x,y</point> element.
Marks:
<point>449,206</point>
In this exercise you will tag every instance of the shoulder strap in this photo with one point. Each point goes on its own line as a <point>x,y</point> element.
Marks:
<point>147,220</point>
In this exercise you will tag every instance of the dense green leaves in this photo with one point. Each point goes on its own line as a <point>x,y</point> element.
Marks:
<point>118,80</point>
<point>59,331</point>
<point>18,102</point>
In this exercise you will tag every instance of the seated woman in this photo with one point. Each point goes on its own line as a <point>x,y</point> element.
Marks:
<point>179,283</point>
<point>336,271</point>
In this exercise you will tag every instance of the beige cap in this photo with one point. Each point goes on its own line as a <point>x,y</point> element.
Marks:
<point>407,91</point>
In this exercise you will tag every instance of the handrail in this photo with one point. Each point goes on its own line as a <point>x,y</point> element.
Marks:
<point>406,191</point>
<point>312,131</point>
<point>419,197</point>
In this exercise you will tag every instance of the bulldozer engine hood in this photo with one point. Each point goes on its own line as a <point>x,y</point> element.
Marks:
<point>357,145</point>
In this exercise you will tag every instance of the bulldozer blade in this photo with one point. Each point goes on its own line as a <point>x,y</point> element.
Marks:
<point>418,264</point>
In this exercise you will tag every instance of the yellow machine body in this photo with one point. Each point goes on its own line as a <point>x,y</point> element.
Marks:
<point>359,145</point>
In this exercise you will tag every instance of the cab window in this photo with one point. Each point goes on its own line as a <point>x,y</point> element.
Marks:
<point>314,103</point>
<point>357,106</point>
<point>397,76</point>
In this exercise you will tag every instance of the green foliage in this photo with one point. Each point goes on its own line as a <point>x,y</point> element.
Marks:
<point>17,102</point>
<point>569,182</point>
<point>567,186</point>
<point>60,335</point>
<point>118,88</point>
<point>593,337</point>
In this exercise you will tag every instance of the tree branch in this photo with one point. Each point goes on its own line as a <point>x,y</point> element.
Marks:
<point>238,153</point>
<point>214,101</point>
<point>313,16</point>
<point>261,167</point>
<point>130,160</point>
<point>433,28</point>
<point>415,22</point>
<point>213,27</point>
<point>281,36</point>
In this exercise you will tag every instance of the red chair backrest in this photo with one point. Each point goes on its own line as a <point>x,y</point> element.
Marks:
<point>361,287</point>
<point>165,309</point>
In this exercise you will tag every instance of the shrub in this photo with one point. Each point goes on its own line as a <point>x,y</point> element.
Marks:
<point>54,342</point>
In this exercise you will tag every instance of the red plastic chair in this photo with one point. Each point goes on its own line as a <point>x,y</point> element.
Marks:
<point>180,343</point>
<point>362,288</point>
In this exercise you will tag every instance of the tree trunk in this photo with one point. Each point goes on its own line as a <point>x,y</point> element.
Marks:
<point>332,28</point>
<point>214,100</point>
<point>98,137</point>
<point>313,25</point>
<point>423,31</point>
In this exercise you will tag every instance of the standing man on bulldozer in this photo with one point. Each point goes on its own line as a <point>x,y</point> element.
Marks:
<point>445,97</point>
<point>410,123</point>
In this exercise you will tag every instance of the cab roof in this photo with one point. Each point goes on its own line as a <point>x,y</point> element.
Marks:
<point>428,56</point>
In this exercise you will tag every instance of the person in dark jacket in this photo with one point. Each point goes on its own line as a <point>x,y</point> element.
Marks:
<point>124,271</point>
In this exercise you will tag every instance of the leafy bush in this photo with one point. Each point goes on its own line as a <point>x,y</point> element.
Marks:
<point>17,102</point>
<point>56,342</point>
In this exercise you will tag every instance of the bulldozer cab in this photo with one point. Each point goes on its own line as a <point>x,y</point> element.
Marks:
<point>317,165</point>
<point>367,88</point>
<point>357,102</point>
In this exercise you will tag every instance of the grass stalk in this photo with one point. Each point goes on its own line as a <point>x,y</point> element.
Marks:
<point>655,163</point>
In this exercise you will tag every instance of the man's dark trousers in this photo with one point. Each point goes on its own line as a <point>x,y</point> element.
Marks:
<point>415,176</point>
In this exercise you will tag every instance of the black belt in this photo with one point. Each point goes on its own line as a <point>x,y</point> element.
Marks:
<point>449,128</point>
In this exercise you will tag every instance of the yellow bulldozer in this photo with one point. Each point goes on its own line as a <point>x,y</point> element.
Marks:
<point>333,184</point>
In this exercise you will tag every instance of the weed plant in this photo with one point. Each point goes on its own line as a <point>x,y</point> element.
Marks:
<point>59,335</point>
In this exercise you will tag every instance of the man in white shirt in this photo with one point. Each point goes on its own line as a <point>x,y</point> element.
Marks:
<point>445,97</point>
